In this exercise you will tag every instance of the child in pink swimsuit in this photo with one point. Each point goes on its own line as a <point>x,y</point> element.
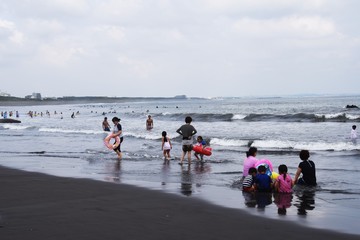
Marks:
<point>283,183</point>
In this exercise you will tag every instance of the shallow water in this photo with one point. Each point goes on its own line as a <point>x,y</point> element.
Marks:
<point>279,127</point>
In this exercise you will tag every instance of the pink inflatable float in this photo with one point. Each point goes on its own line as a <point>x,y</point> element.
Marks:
<point>108,144</point>
<point>268,165</point>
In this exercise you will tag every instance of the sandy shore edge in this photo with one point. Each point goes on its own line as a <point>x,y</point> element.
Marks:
<point>39,206</point>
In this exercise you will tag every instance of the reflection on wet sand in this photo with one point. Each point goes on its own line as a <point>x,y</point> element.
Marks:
<point>305,201</point>
<point>186,180</point>
<point>165,172</point>
<point>114,170</point>
<point>282,201</point>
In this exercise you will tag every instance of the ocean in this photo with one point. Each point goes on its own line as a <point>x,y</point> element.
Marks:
<point>279,127</point>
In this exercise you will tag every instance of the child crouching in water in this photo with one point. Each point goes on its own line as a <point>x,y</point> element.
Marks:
<point>248,182</point>
<point>201,142</point>
<point>263,182</point>
<point>166,145</point>
<point>283,183</point>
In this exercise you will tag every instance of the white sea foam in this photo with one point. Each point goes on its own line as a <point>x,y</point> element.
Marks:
<point>276,144</point>
<point>59,130</point>
<point>330,116</point>
<point>322,146</point>
<point>147,136</point>
<point>337,115</point>
<point>228,142</point>
<point>238,117</point>
<point>352,117</point>
<point>314,146</point>
<point>16,127</point>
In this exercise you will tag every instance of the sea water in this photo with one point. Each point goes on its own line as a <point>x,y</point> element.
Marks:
<point>279,127</point>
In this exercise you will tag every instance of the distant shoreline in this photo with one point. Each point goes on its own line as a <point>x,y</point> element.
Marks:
<point>14,101</point>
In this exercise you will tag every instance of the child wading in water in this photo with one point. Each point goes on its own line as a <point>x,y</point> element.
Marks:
<point>201,142</point>
<point>249,180</point>
<point>166,145</point>
<point>263,182</point>
<point>283,183</point>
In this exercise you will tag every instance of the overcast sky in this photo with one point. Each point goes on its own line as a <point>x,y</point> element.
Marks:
<point>204,48</point>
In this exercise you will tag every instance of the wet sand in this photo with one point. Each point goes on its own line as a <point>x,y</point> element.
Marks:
<point>38,206</point>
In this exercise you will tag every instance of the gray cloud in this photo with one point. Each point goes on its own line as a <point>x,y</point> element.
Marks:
<point>164,48</point>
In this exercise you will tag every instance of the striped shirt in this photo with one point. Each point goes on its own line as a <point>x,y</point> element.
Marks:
<point>248,181</point>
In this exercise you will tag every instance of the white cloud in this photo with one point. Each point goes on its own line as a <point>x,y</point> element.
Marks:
<point>217,46</point>
<point>59,54</point>
<point>9,31</point>
<point>254,5</point>
<point>293,26</point>
<point>118,9</point>
<point>112,32</point>
<point>44,27</point>
<point>139,68</point>
<point>50,9</point>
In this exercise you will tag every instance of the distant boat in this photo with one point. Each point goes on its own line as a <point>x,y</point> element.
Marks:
<point>9,120</point>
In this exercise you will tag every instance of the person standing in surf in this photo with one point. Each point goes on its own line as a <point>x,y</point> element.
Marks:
<point>353,134</point>
<point>117,132</point>
<point>187,131</point>
<point>149,123</point>
<point>106,125</point>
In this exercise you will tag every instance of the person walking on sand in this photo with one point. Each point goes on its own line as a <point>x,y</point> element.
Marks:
<point>149,123</point>
<point>117,132</point>
<point>187,131</point>
<point>307,169</point>
<point>166,145</point>
<point>106,125</point>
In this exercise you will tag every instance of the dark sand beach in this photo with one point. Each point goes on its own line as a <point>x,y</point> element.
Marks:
<point>38,206</point>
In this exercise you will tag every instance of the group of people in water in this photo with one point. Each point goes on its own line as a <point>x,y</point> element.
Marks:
<point>187,131</point>
<point>48,114</point>
<point>259,185</point>
<point>257,178</point>
<point>10,114</point>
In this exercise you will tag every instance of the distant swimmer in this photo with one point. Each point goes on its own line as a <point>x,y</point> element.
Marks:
<point>106,125</point>
<point>149,123</point>
<point>353,134</point>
